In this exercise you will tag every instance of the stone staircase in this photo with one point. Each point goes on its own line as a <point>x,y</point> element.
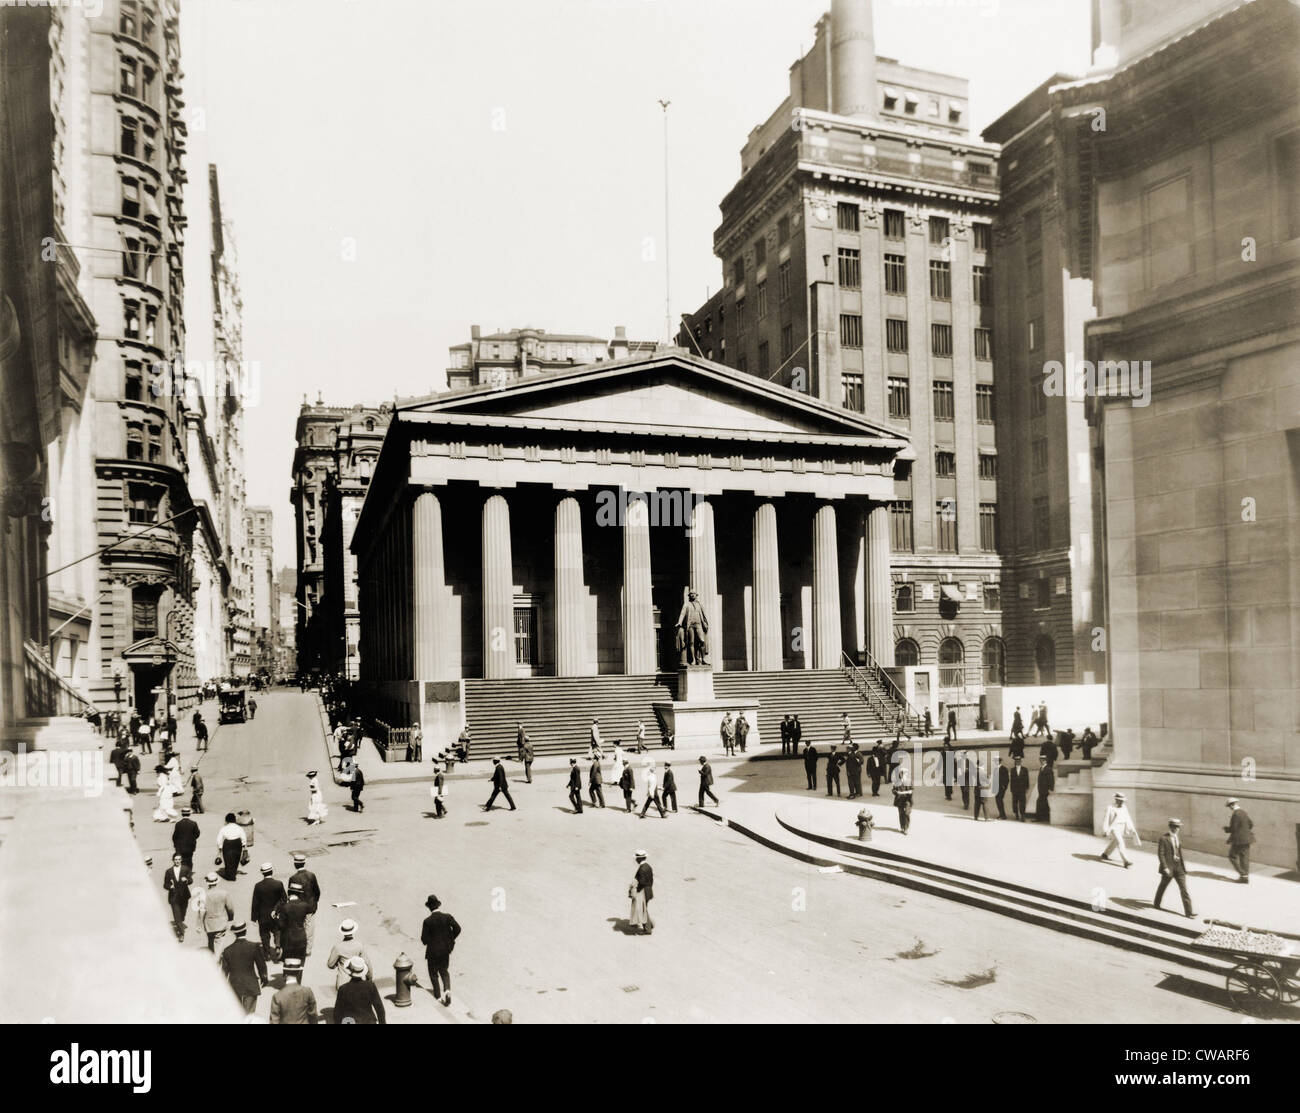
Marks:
<point>818,696</point>
<point>58,732</point>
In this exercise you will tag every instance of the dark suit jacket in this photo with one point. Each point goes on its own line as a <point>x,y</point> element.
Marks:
<point>645,880</point>
<point>499,777</point>
<point>810,755</point>
<point>244,967</point>
<point>742,728</point>
<point>185,836</point>
<point>796,731</point>
<point>267,895</point>
<point>177,883</point>
<point>1046,781</point>
<point>358,1002</point>
<point>670,781</point>
<point>575,778</point>
<point>706,774</point>
<point>292,915</point>
<point>1004,779</point>
<point>1171,857</point>
<point>1018,778</point>
<point>310,886</point>
<point>596,777</point>
<point>1241,829</point>
<point>439,934</point>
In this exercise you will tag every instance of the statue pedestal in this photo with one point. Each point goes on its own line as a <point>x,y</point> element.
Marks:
<point>695,717</point>
<point>695,684</point>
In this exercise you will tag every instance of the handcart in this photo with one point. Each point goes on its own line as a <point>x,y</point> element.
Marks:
<point>1267,969</point>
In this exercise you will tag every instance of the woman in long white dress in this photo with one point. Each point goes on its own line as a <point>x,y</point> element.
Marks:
<point>616,772</point>
<point>164,812</point>
<point>316,809</point>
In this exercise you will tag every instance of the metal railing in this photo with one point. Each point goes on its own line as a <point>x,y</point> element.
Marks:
<point>395,738</point>
<point>48,694</point>
<point>913,718</point>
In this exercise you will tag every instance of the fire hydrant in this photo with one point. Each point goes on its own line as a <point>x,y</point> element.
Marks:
<point>865,825</point>
<point>405,979</point>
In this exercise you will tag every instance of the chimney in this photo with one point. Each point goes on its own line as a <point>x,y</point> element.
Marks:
<point>619,347</point>
<point>474,332</point>
<point>853,59</point>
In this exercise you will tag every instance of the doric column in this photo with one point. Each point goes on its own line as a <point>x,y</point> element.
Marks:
<point>704,575</point>
<point>880,594</point>
<point>767,591</point>
<point>638,606</point>
<point>570,608</point>
<point>429,586</point>
<point>826,589</point>
<point>498,591</point>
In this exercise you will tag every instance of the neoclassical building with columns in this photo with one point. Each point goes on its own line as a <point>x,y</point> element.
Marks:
<point>551,527</point>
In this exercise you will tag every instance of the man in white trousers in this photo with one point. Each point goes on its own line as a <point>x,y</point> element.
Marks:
<point>1117,827</point>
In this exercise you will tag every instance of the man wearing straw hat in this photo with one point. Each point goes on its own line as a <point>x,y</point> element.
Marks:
<point>1118,826</point>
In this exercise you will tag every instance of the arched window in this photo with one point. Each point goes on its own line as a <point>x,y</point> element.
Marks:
<point>906,653</point>
<point>904,601</point>
<point>951,656</point>
<point>995,661</point>
<point>1045,660</point>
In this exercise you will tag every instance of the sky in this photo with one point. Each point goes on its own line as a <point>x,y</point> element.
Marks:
<point>395,171</point>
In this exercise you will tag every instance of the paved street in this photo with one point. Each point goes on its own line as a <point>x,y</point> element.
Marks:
<point>744,933</point>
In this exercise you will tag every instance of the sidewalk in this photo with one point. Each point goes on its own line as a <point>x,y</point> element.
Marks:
<point>1061,861</point>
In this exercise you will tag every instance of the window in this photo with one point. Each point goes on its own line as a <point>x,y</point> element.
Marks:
<point>846,216</point>
<point>134,440</point>
<point>740,318</point>
<point>938,230</point>
<point>1042,523</point>
<point>783,230</point>
<point>155,444</point>
<point>983,236</point>
<point>1286,159</point>
<point>992,597</point>
<point>895,335</point>
<point>906,654</point>
<point>738,270</point>
<point>900,399</point>
<point>143,500</point>
<point>952,655</point>
<point>127,22</point>
<point>1038,398</point>
<point>850,330</point>
<point>128,137</point>
<point>150,324</point>
<point>904,602</point>
<point>130,197</point>
<point>760,251</point>
<point>895,274</point>
<point>934,107</point>
<point>133,383</point>
<point>762,300</point>
<point>851,391</point>
<point>941,340</point>
<point>131,320</point>
<point>764,360</point>
<point>783,282</point>
<point>1039,449</point>
<point>1035,333</point>
<point>144,613</point>
<point>1033,274</point>
<point>945,464</point>
<point>129,71</point>
<point>526,636</point>
<point>787,342</point>
<point>940,280</point>
<point>900,526</point>
<point>1043,587</point>
<point>945,525</point>
<point>982,285</point>
<point>988,527</point>
<point>988,466</point>
<point>131,258</point>
<point>148,75</point>
<point>1045,660</point>
<point>983,343</point>
<point>850,268</point>
<point>943,400</point>
<point>895,225</point>
<point>995,661</point>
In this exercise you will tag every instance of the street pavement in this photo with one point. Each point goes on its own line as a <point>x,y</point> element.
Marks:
<point>743,934</point>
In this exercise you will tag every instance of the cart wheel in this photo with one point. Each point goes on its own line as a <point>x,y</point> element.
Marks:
<point>1288,990</point>
<point>1252,987</point>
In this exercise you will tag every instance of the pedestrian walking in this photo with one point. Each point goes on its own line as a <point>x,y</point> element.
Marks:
<point>196,792</point>
<point>317,812</point>
<point>310,888</point>
<point>706,781</point>
<point>519,741</point>
<point>500,786</point>
<point>846,728</point>
<point>810,764</point>
<point>595,785</point>
<point>617,764</point>
<point>200,733</point>
<point>625,783</point>
<point>593,739</point>
<point>230,842</point>
<point>1046,783</point>
<point>347,948</point>
<point>528,759</point>
<point>358,1001</point>
<point>652,791</point>
<point>1004,782</point>
<point>216,911</point>
<point>293,1003</point>
<point>728,731</point>
<point>252,709</point>
<point>670,786</point>
<point>575,786</point>
<point>439,790</point>
<point>1019,781</point>
<point>949,772</point>
<point>268,895</point>
<point>641,893</point>
<point>439,934</point>
<point>245,968</point>
<point>742,731</point>
<point>417,743</point>
<point>117,759</point>
<point>358,783</point>
<point>1241,834</point>
<point>291,916</point>
<point>979,788</point>
<point>901,785</point>
<point>146,736</point>
<point>833,761</point>
<point>951,733</point>
<point>1048,751</point>
<point>1017,727</point>
<point>640,737</point>
<point>176,883</point>
<point>1170,852</point>
<point>164,812</point>
<point>964,769</point>
<point>1118,828</point>
<point>185,838</point>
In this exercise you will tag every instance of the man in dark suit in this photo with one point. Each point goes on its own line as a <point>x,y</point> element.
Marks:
<point>670,786</point>
<point>310,893</point>
<point>291,916</point>
<point>1019,783</point>
<point>131,765</point>
<point>706,781</point>
<point>185,837</point>
<point>500,786</point>
<point>796,733</point>
<point>267,895</point>
<point>117,759</point>
<point>1046,784</point>
<point>1048,750</point>
<point>1170,852</point>
<point>785,736</point>
<point>742,731</point>
<point>810,764</point>
<point>833,761</point>
<point>245,968</point>
<point>439,935</point>
<point>949,756</point>
<point>876,767</point>
<point>1241,833</point>
<point>1004,782</point>
<point>575,786</point>
<point>595,784</point>
<point>853,771</point>
<point>358,1001</point>
<point>176,882</point>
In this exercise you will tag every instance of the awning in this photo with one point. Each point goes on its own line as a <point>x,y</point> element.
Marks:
<point>951,592</point>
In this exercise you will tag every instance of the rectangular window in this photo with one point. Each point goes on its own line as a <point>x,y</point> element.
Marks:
<point>850,268</point>
<point>126,18</point>
<point>526,636</point>
<point>895,226</point>
<point>850,330</point>
<point>988,527</point>
<point>150,324</point>
<point>1042,523</point>
<point>945,464</point>
<point>943,410</point>
<point>131,320</point>
<point>787,342</point>
<point>941,340</point>
<point>741,323</point>
<point>134,440</point>
<point>851,391</point>
<point>130,198</point>
<point>762,300</point>
<point>1038,398</point>
<point>940,280</point>
<point>904,599</point>
<point>1040,455</point>
<point>983,236</point>
<point>992,597</point>
<point>847,214</point>
<point>983,343</point>
<point>1044,593</point>
<point>938,230</point>
<point>945,525</point>
<point>128,137</point>
<point>144,614</point>
<point>150,143</point>
<point>895,335</point>
<point>895,274</point>
<point>131,258</point>
<point>982,285</point>
<point>133,384</point>
<point>1035,333</point>
<point>1034,275</point>
<point>147,77</point>
<point>764,359</point>
<point>984,403</point>
<point>900,399</point>
<point>783,230</point>
<point>760,251</point>
<point>783,282</point>
<point>900,525</point>
<point>742,365</point>
<point>155,444</point>
<point>143,503</point>
<point>988,466</point>
<point>128,71</point>
<point>738,270</point>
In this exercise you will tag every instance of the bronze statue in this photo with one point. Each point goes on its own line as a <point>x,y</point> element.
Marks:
<point>694,626</point>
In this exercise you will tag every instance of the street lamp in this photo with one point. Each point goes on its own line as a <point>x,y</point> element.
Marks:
<point>167,659</point>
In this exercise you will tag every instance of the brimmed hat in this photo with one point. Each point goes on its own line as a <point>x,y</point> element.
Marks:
<point>293,965</point>
<point>639,855</point>
<point>432,902</point>
<point>1119,796</point>
<point>347,927</point>
<point>1175,823</point>
<point>210,878</point>
<point>1230,801</point>
<point>357,966</point>
<point>300,859</point>
<point>185,811</point>
<point>267,868</point>
<point>295,886</point>
<point>239,927</point>
<point>311,772</point>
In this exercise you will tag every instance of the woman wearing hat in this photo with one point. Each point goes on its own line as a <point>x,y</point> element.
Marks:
<point>641,893</point>
<point>1118,827</point>
<point>316,809</point>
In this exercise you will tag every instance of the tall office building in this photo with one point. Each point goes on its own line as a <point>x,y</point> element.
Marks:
<point>502,357</point>
<point>857,251</point>
<point>264,603</point>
